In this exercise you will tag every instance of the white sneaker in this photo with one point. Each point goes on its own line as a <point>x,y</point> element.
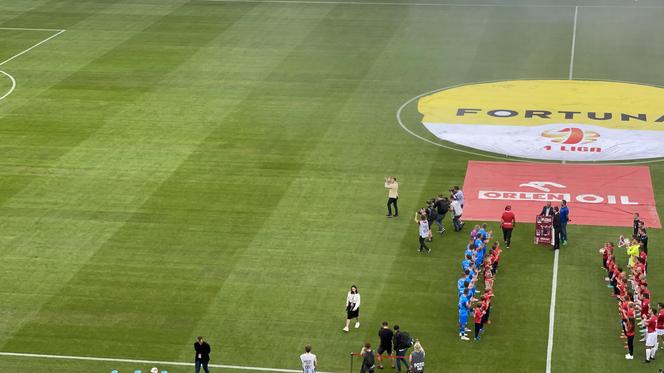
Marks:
<point>464,338</point>
<point>357,325</point>
<point>467,329</point>
<point>629,357</point>
<point>345,329</point>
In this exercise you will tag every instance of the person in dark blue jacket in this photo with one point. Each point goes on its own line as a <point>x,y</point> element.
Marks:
<point>564,218</point>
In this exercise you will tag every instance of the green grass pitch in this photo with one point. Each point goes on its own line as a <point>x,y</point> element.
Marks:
<point>171,168</point>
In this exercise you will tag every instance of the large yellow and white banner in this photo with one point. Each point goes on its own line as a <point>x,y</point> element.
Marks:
<point>551,119</point>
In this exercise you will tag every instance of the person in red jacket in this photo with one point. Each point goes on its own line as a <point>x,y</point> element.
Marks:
<point>629,332</point>
<point>507,223</point>
<point>478,313</point>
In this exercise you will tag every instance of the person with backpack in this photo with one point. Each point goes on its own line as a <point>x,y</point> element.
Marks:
<point>402,342</point>
<point>368,359</point>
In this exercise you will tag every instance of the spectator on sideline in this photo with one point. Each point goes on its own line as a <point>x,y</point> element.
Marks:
<point>564,218</point>
<point>547,210</point>
<point>392,195</point>
<point>202,358</point>
<point>556,228</point>
<point>309,360</point>
<point>507,223</point>
<point>457,211</point>
<point>417,358</point>
<point>386,335</point>
<point>368,359</point>
<point>352,308</point>
<point>401,345</point>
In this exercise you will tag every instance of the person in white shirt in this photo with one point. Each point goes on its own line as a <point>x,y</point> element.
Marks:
<point>457,211</point>
<point>309,361</point>
<point>424,231</point>
<point>458,194</point>
<point>392,195</point>
<point>352,308</point>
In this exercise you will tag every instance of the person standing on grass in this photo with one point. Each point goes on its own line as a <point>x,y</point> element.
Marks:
<point>308,360</point>
<point>507,223</point>
<point>386,336</point>
<point>637,223</point>
<point>202,358</point>
<point>424,231</point>
<point>368,359</point>
<point>457,211</point>
<point>651,337</point>
<point>402,343</point>
<point>417,358</point>
<point>556,228</point>
<point>352,308</point>
<point>629,332</point>
<point>392,195</point>
<point>564,219</point>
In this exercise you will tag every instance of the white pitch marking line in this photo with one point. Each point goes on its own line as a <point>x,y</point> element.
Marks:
<point>31,29</point>
<point>32,47</point>
<point>571,59</point>
<point>433,4</point>
<point>552,311</point>
<point>150,362</point>
<point>388,3</point>
<point>13,87</point>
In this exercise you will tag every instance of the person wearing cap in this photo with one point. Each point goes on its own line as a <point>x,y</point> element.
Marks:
<point>507,223</point>
<point>202,357</point>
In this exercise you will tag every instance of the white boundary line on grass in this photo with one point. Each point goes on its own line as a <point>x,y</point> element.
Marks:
<point>11,78</point>
<point>571,58</point>
<point>552,311</point>
<point>460,5</point>
<point>137,361</point>
<point>32,47</point>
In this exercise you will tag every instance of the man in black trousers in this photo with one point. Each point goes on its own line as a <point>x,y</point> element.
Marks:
<point>557,229</point>
<point>202,358</point>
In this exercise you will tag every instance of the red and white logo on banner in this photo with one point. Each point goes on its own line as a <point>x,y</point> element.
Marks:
<point>596,195</point>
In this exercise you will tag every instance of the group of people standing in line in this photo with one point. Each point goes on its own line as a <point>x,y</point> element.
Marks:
<point>477,261</point>
<point>630,288</point>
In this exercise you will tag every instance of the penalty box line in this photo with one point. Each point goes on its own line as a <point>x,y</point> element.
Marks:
<point>57,33</point>
<point>138,361</point>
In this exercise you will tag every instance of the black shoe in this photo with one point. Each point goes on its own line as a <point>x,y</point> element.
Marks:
<point>396,215</point>
<point>389,215</point>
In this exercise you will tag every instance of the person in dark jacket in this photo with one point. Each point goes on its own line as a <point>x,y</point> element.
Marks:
<point>557,229</point>
<point>368,359</point>
<point>202,357</point>
<point>402,343</point>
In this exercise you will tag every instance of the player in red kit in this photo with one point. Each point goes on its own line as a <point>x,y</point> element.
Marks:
<point>630,325</point>
<point>651,337</point>
<point>478,313</point>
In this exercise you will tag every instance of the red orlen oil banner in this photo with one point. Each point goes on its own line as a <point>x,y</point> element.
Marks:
<point>595,194</point>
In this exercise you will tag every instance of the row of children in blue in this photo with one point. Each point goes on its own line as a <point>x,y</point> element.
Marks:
<point>471,265</point>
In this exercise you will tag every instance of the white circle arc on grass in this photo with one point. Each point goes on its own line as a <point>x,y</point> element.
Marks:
<point>506,157</point>
<point>12,88</point>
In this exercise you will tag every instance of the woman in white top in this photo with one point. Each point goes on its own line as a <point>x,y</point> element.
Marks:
<point>352,307</point>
